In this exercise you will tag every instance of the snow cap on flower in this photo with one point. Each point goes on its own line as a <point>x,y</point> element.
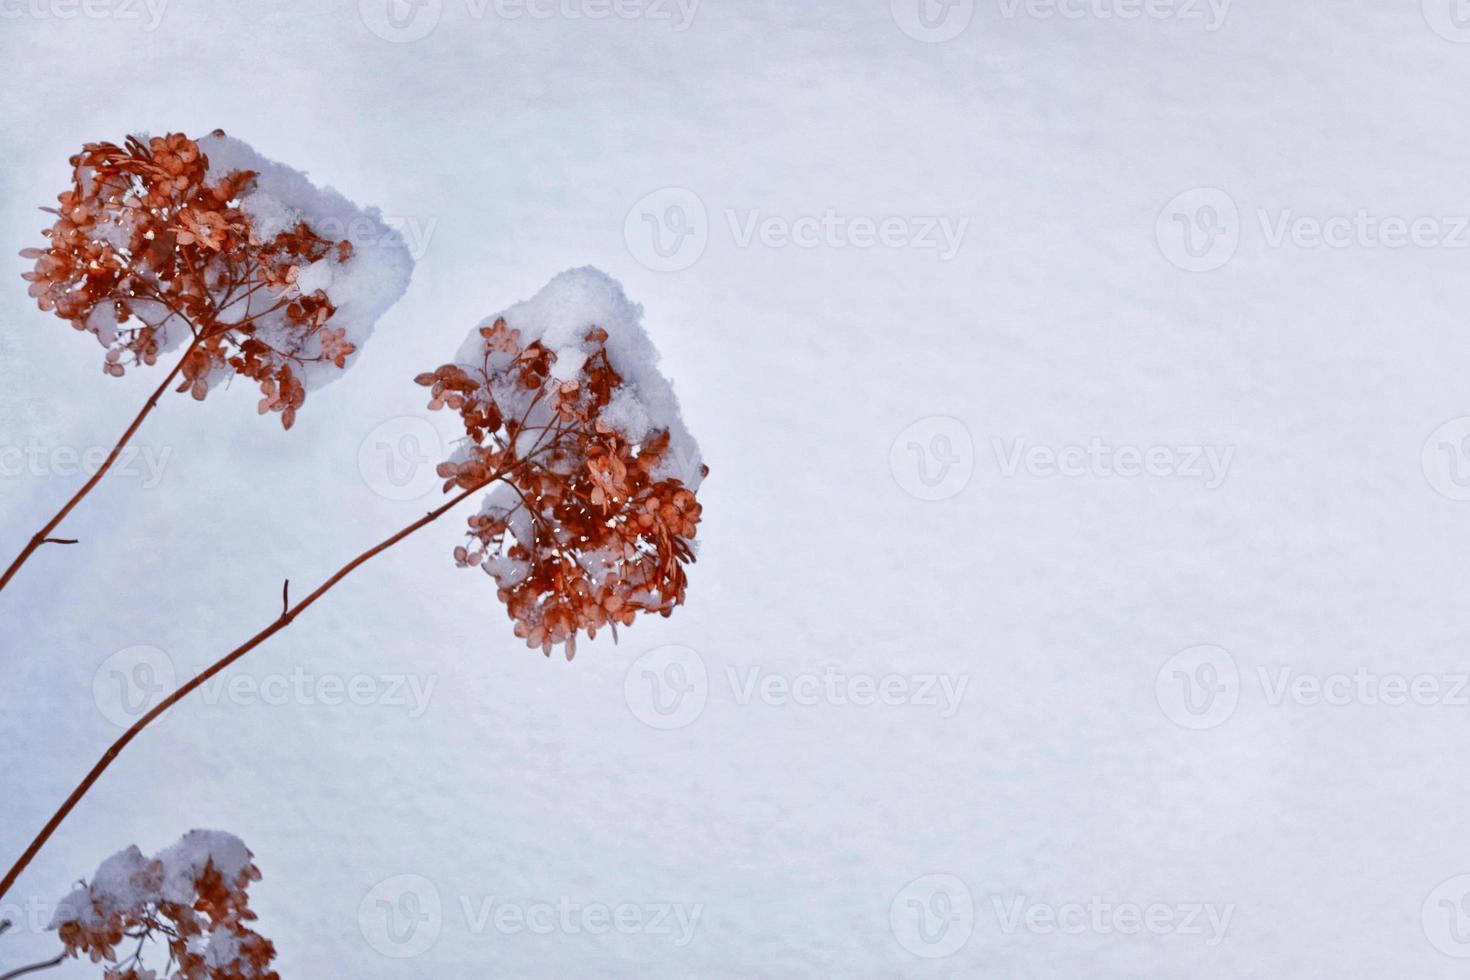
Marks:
<point>362,286</point>
<point>167,241</point>
<point>190,896</point>
<point>592,511</point>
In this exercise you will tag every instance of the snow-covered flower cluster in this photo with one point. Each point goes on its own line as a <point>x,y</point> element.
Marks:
<point>592,514</point>
<point>169,240</point>
<point>190,896</point>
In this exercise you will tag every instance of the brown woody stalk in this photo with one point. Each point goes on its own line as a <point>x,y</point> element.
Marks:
<point>43,536</point>
<point>288,614</point>
<point>144,243</point>
<point>33,968</point>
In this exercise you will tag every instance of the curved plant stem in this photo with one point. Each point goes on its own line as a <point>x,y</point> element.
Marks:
<point>33,968</point>
<point>43,536</point>
<point>288,614</point>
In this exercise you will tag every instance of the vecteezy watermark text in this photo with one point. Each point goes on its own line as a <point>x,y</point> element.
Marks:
<point>149,13</point>
<point>1211,14</point>
<point>934,916</point>
<point>941,234</point>
<point>1201,230</point>
<point>937,21</point>
<point>837,688</point>
<point>669,686</point>
<point>1362,686</point>
<point>131,682</point>
<point>37,459</point>
<point>403,917</point>
<point>568,916</point>
<point>669,229</point>
<point>1099,917</point>
<point>1209,464</point>
<point>1201,686</point>
<point>678,13</point>
<point>412,232</point>
<point>300,686</point>
<point>404,21</point>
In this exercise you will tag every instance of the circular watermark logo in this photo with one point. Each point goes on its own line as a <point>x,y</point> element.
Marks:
<point>932,21</point>
<point>1446,917</point>
<point>400,21</point>
<point>1199,687</point>
<point>667,687</point>
<point>402,916</point>
<point>1199,230</point>
<point>131,682</point>
<point>1445,459</point>
<point>398,459</point>
<point>1450,19</point>
<point>934,458</point>
<point>668,230</point>
<point>933,916</point>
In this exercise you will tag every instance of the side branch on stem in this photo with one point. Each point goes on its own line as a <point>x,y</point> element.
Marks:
<point>43,536</point>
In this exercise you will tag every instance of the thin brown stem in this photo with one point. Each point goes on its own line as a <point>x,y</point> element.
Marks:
<point>281,622</point>
<point>33,968</point>
<point>43,536</point>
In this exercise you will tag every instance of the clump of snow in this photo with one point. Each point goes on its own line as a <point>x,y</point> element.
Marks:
<point>184,862</point>
<point>115,885</point>
<point>362,288</point>
<point>560,317</point>
<point>626,414</point>
<point>223,951</point>
<point>506,571</point>
<point>127,880</point>
<point>318,275</point>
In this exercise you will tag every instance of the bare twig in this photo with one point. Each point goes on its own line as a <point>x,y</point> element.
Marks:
<point>288,614</point>
<point>42,536</point>
<point>33,968</point>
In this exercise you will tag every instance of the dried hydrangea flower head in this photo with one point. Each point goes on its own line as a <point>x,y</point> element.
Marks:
<point>592,513</point>
<point>169,240</point>
<point>191,897</point>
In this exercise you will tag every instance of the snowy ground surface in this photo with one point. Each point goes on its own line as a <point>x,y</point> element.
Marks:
<point>1105,798</point>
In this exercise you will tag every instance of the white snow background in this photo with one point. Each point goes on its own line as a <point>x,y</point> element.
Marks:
<point>1333,834</point>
